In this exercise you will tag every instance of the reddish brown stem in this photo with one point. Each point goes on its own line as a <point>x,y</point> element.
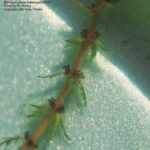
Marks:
<point>43,125</point>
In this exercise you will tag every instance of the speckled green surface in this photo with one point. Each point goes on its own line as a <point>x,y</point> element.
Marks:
<point>32,43</point>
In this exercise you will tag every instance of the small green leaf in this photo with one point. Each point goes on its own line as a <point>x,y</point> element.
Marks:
<point>93,50</point>
<point>8,140</point>
<point>52,75</point>
<point>63,128</point>
<point>58,116</point>
<point>93,54</point>
<point>38,110</point>
<point>82,6</point>
<point>76,40</point>
<point>57,121</point>
<point>93,46</point>
<point>83,92</point>
<point>98,43</point>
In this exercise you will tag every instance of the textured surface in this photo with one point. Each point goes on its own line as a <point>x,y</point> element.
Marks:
<point>123,28</point>
<point>31,43</point>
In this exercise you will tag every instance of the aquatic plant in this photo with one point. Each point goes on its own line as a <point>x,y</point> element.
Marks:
<point>54,108</point>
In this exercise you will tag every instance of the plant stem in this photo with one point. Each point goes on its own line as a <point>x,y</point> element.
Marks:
<point>40,129</point>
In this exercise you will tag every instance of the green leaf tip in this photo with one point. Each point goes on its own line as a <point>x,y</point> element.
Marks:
<point>93,50</point>
<point>98,43</point>
<point>63,128</point>
<point>38,110</point>
<point>53,75</point>
<point>95,46</point>
<point>56,124</point>
<point>83,92</point>
<point>58,121</point>
<point>8,140</point>
<point>82,6</point>
<point>93,54</point>
<point>76,40</point>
